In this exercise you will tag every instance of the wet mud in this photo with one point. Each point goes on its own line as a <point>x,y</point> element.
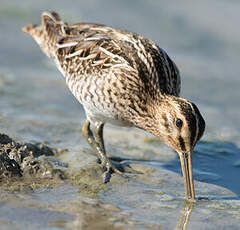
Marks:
<point>25,166</point>
<point>31,166</point>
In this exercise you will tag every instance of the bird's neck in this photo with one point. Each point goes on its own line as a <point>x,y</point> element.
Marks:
<point>155,119</point>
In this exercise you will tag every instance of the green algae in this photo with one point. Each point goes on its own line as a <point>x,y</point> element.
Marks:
<point>88,180</point>
<point>29,184</point>
<point>149,140</point>
<point>130,147</point>
<point>153,192</point>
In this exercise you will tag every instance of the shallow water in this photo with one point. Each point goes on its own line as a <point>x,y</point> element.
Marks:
<point>203,39</point>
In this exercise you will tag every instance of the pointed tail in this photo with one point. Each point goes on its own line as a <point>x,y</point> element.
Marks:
<point>48,34</point>
<point>52,24</point>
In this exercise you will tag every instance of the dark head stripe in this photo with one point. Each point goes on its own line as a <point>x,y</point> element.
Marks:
<point>193,128</point>
<point>182,144</point>
<point>201,122</point>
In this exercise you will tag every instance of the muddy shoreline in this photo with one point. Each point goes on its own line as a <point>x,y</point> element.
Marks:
<point>26,167</point>
<point>79,195</point>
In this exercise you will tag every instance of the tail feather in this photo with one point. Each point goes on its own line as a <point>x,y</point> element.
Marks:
<point>52,25</point>
<point>52,15</point>
<point>49,33</point>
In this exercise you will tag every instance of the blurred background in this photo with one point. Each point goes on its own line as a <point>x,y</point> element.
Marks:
<point>202,37</point>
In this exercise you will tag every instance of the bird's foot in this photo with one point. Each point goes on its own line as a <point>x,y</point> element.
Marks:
<point>109,169</point>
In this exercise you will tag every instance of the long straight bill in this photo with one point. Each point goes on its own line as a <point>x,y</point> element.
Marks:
<point>186,163</point>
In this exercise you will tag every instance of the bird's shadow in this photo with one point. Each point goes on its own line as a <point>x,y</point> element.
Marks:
<point>214,162</point>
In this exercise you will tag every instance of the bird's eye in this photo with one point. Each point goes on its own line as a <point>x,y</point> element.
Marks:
<point>179,123</point>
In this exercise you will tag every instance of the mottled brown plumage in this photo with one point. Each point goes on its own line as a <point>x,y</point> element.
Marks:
<point>125,79</point>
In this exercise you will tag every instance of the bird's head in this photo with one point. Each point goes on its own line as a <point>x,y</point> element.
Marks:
<point>180,125</point>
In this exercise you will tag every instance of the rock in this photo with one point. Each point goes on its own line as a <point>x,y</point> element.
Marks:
<point>28,159</point>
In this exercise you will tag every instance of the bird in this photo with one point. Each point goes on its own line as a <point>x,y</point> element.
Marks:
<point>124,79</point>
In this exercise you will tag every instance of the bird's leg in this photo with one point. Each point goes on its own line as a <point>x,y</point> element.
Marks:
<point>98,132</point>
<point>87,133</point>
<point>98,146</point>
<point>106,162</point>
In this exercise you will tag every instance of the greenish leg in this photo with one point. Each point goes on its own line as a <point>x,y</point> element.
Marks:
<point>97,144</point>
<point>98,131</point>
<point>88,134</point>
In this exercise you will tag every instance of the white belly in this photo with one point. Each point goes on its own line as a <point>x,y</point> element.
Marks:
<point>104,115</point>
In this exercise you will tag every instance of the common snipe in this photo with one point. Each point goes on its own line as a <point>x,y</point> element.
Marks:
<point>125,79</point>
